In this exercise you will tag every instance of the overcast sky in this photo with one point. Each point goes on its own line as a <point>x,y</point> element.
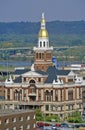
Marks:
<point>31,10</point>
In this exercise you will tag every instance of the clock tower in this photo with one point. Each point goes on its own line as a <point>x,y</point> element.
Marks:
<point>43,52</point>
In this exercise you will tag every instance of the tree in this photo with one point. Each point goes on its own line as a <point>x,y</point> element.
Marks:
<point>75,117</point>
<point>39,116</point>
<point>52,117</point>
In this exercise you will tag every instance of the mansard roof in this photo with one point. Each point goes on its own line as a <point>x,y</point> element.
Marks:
<point>27,73</point>
<point>53,73</point>
<point>18,80</point>
<point>41,72</point>
<point>63,72</point>
<point>20,71</point>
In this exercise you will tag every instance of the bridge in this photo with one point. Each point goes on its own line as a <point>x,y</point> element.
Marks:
<point>16,48</point>
<point>30,48</point>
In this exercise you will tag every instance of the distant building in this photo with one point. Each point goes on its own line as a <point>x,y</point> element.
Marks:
<point>54,60</point>
<point>75,67</point>
<point>17,120</point>
<point>44,86</point>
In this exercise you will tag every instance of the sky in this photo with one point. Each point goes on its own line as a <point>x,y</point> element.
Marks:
<point>31,10</point>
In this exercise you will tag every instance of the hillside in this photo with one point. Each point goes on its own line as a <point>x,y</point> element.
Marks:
<point>61,34</point>
<point>25,33</point>
<point>54,27</point>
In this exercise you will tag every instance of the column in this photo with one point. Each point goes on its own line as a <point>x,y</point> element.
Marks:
<point>53,95</point>
<point>37,95</point>
<point>5,94</point>
<point>11,95</point>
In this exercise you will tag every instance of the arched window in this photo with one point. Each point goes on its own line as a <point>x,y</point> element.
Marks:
<point>40,44</point>
<point>37,55</point>
<point>20,94</point>
<point>42,55</point>
<point>51,94</point>
<point>32,81</point>
<point>47,95</point>
<point>47,107</point>
<point>56,96</point>
<point>44,43</point>
<point>32,86</point>
<point>47,44</point>
<point>47,92</point>
<point>8,94</point>
<point>16,95</point>
<point>70,94</point>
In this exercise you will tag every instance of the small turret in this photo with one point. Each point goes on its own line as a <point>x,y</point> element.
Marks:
<point>9,80</point>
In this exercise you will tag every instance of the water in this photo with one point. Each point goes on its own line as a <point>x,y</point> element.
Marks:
<point>15,63</point>
<point>25,63</point>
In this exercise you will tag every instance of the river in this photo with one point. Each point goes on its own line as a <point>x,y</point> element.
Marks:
<point>25,63</point>
<point>15,63</point>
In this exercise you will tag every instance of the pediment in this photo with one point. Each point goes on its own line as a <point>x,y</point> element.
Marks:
<point>31,74</point>
<point>71,73</point>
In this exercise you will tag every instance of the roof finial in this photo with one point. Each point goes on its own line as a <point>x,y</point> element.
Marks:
<point>43,15</point>
<point>32,67</point>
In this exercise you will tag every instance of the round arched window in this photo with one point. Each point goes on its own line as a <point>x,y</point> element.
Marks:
<point>32,81</point>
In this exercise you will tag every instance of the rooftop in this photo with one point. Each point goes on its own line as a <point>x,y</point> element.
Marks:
<point>12,112</point>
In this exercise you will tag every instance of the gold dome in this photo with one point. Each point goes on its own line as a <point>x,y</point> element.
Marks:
<point>43,33</point>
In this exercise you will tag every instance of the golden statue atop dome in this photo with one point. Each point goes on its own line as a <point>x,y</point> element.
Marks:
<point>43,32</point>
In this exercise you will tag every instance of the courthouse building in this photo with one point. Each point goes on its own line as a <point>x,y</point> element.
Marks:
<point>44,86</point>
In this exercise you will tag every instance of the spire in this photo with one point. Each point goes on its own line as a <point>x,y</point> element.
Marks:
<point>43,22</point>
<point>43,32</point>
<point>42,15</point>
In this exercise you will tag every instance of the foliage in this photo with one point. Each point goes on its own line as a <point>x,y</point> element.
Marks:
<point>39,116</point>
<point>28,40</point>
<point>75,117</point>
<point>42,117</point>
<point>61,34</point>
<point>55,27</point>
<point>52,117</point>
